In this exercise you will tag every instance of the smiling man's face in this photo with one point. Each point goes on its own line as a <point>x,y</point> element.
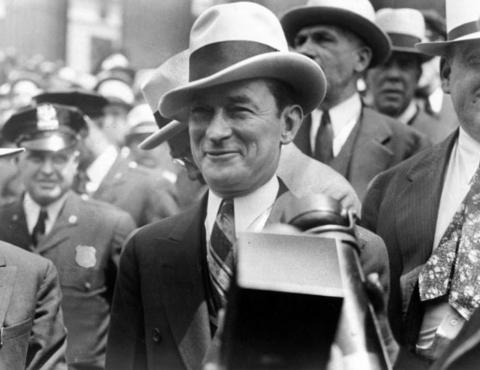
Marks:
<point>236,131</point>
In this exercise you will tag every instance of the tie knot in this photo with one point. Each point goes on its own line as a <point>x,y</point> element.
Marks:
<point>226,207</point>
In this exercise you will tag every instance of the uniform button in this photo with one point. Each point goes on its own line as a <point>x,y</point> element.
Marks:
<point>87,286</point>
<point>157,337</point>
<point>453,322</point>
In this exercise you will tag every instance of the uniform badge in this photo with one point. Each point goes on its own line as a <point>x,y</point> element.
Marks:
<point>47,118</point>
<point>85,256</point>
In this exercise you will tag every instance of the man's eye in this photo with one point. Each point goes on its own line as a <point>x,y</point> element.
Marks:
<point>299,40</point>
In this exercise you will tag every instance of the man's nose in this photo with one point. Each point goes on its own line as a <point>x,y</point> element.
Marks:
<point>219,128</point>
<point>306,48</point>
<point>47,166</point>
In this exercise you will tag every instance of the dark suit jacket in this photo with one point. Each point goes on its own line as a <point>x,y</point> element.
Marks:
<point>401,206</point>
<point>430,126</point>
<point>33,334</point>
<point>464,352</point>
<point>159,316</point>
<point>85,233</point>
<point>138,191</point>
<point>376,143</point>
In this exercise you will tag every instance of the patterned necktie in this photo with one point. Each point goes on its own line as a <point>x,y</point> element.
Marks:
<point>220,254</point>
<point>39,228</point>
<point>324,140</point>
<point>454,266</point>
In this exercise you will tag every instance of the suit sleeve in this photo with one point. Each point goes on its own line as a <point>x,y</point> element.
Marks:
<point>126,337</point>
<point>48,340</point>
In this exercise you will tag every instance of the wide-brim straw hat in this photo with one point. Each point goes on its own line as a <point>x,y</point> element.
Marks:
<point>462,18</point>
<point>405,27</point>
<point>241,41</point>
<point>169,75</point>
<point>357,16</point>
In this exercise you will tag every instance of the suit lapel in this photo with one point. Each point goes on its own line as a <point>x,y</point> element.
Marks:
<point>182,276</point>
<point>62,229</point>
<point>114,176</point>
<point>7,282</point>
<point>369,154</point>
<point>302,139</point>
<point>417,204</point>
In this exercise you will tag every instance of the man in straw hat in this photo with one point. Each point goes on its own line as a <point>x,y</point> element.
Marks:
<point>393,83</point>
<point>342,37</point>
<point>32,333</point>
<point>302,174</point>
<point>82,238</point>
<point>427,209</point>
<point>244,101</point>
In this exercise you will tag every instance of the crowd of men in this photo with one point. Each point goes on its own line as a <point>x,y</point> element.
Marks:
<point>112,256</point>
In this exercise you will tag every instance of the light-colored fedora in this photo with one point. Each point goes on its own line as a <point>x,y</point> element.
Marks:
<point>462,18</point>
<point>169,75</point>
<point>405,27</point>
<point>4,152</point>
<point>358,16</point>
<point>239,41</point>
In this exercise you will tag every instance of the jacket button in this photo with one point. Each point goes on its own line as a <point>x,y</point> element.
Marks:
<point>87,286</point>
<point>157,337</point>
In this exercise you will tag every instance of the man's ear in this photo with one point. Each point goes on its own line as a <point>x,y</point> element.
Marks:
<point>292,117</point>
<point>445,71</point>
<point>363,58</point>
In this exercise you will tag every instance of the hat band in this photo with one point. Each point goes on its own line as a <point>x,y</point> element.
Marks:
<point>402,40</point>
<point>160,120</point>
<point>215,57</point>
<point>463,30</point>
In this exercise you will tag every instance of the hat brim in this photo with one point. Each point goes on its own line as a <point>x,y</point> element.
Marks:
<point>371,34</point>
<point>299,72</point>
<point>412,50</point>
<point>160,136</point>
<point>440,47</point>
<point>4,152</point>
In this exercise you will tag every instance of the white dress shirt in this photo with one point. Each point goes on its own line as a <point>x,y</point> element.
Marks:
<point>251,211</point>
<point>32,211</point>
<point>99,168</point>
<point>464,159</point>
<point>343,117</point>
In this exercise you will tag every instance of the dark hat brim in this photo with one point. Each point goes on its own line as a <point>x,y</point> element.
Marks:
<point>412,50</point>
<point>305,16</point>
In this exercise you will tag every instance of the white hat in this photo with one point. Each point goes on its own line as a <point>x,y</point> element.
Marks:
<point>169,75</point>
<point>243,40</point>
<point>405,27</point>
<point>462,25</point>
<point>358,16</point>
<point>10,151</point>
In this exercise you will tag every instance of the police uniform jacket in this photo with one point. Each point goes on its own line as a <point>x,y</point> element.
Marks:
<point>376,143</point>
<point>159,314</point>
<point>32,334</point>
<point>84,244</point>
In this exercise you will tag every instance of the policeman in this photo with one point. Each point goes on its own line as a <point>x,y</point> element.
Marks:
<point>81,237</point>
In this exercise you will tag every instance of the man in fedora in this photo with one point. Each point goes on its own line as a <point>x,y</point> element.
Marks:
<point>302,174</point>
<point>31,325</point>
<point>105,173</point>
<point>82,238</point>
<point>427,211</point>
<point>342,37</point>
<point>393,83</point>
<point>244,102</point>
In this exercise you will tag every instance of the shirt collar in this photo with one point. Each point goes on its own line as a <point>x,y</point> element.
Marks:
<point>250,210</point>
<point>344,113</point>
<point>32,210</point>
<point>468,149</point>
<point>408,113</point>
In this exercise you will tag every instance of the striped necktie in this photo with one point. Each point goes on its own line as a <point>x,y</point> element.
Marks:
<point>220,254</point>
<point>454,266</point>
<point>324,140</point>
